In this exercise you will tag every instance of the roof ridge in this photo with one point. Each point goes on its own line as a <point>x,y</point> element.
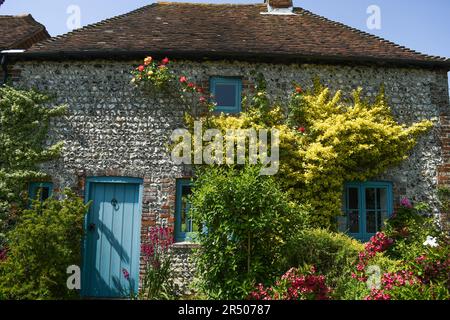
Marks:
<point>165,3</point>
<point>93,25</point>
<point>369,35</point>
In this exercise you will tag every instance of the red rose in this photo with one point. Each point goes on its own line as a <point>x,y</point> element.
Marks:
<point>165,61</point>
<point>191,85</point>
<point>301,129</point>
<point>298,90</point>
<point>183,79</point>
<point>141,68</point>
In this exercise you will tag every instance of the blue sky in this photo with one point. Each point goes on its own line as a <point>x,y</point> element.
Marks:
<point>418,24</point>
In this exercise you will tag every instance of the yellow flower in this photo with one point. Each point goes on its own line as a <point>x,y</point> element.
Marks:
<point>150,73</point>
<point>148,60</point>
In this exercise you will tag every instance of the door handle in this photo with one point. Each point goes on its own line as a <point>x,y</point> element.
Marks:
<point>91,227</point>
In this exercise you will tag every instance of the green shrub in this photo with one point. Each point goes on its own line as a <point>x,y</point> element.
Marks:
<point>332,254</point>
<point>44,243</point>
<point>24,122</point>
<point>248,219</point>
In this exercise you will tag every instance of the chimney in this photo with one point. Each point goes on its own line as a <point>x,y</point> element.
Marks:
<point>279,7</point>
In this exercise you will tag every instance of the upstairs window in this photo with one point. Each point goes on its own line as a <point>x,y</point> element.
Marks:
<point>367,206</point>
<point>227,93</point>
<point>43,189</point>
<point>185,227</point>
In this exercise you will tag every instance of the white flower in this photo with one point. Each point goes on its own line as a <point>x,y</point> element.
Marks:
<point>432,242</point>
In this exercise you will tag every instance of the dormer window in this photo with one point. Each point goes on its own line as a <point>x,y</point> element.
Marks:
<point>227,93</point>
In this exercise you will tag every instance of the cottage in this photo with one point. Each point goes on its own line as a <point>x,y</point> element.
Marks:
<point>115,138</point>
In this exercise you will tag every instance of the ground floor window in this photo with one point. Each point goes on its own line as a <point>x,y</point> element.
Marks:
<point>367,206</point>
<point>185,227</point>
<point>44,189</point>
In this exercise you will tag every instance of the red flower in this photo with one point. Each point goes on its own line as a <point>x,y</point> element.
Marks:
<point>202,99</point>
<point>126,274</point>
<point>183,79</point>
<point>141,68</point>
<point>165,61</point>
<point>298,89</point>
<point>200,90</point>
<point>301,129</point>
<point>191,85</point>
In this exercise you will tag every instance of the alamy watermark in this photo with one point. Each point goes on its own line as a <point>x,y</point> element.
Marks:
<point>374,20</point>
<point>74,18</point>
<point>229,149</point>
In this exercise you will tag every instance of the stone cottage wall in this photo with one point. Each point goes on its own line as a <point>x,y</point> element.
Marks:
<point>114,129</point>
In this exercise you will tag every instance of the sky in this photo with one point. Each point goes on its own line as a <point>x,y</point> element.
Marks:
<point>422,25</point>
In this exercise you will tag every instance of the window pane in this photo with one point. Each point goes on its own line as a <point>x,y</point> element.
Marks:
<point>353,221</point>
<point>45,193</point>
<point>370,198</point>
<point>382,199</point>
<point>353,198</point>
<point>186,223</point>
<point>225,95</point>
<point>371,222</point>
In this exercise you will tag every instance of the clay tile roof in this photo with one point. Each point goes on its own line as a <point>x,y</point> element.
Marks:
<point>20,32</point>
<point>214,31</point>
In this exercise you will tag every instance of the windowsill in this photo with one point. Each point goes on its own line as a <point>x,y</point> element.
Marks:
<point>185,245</point>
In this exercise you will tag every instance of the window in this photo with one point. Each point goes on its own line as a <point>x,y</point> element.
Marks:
<point>185,228</point>
<point>44,189</point>
<point>367,206</point>
<point>227,94</point>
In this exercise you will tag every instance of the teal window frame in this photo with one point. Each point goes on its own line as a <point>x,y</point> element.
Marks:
<point>35,186</point>
<point>363,235</point>
<point>181,236</point>
<point>236,108</point>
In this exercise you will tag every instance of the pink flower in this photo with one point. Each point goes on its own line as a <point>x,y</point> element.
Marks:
<point>202,99</point>
<point>191,85</point>
<point>141,68</point>
<point>406,203</point>
<point>183,79</point>
<point>165,61</point>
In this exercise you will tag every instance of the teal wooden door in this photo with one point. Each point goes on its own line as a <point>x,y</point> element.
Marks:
<point>112,245</point>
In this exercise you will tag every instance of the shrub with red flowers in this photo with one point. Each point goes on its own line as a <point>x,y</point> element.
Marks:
<point>295,285</point>
<point>157,280</point>
<point>425,277</point>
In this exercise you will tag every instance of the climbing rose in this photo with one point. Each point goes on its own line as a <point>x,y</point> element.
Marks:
<point>191,85</point>
<point>141,68</point>
<point>302,129</point>
<point>202,99</point>
<point>183,79</point>
<point>148,60</point>
<point>165,61</point>
<point>298,90</point>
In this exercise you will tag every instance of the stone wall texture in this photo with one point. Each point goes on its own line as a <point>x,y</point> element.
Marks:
<point>114,129</point>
